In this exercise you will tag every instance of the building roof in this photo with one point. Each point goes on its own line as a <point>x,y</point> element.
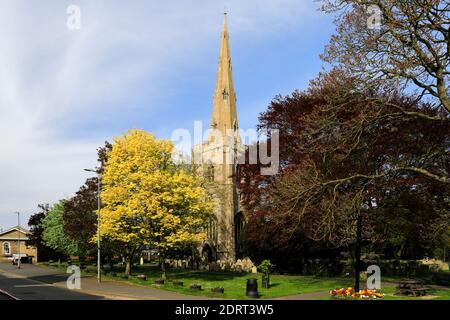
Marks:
<point>4,234</point>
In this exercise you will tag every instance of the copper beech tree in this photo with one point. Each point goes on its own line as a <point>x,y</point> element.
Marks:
<point>397,45</point>
<point>342,153</point>
<point>80,216</point>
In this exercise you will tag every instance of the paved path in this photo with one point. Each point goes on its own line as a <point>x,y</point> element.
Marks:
<point>36,282</point>
<point>307,296</point>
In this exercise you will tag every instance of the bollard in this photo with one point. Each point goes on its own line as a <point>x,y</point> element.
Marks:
<point>252,288</point>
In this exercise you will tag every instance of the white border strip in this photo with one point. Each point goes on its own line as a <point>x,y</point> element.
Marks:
<point>8,295</point>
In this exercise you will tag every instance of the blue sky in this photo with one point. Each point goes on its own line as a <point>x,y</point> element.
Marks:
<point>133,64</point>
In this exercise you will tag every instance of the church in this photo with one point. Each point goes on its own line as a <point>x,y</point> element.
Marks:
<point>217,157</point>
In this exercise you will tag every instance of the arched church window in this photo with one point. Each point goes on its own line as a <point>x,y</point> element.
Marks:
<point>210,173</point>
<point>239,223</point>
<point>212,230</point>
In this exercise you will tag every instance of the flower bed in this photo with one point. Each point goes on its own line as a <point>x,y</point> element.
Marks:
<point>349,293</point>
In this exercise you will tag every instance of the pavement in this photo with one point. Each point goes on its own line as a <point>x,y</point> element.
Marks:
<point>33,282</point>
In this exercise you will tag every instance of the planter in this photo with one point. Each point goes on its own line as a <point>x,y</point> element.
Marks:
<point>196,287</point>
<point>159,281</point>
<point>218,290</point>
<point>142,277</point>
<point>177,283</point>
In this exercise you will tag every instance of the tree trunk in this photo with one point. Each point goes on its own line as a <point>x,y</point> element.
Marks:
<point>162,262</point>
<point>358,252</point>
<point>193,259</point>
<point>128,264</point>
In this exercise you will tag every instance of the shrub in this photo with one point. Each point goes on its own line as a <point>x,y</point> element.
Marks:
<point>266,267</point>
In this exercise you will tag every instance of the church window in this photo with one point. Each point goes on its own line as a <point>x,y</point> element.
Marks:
<point>210,173</point>
<point>239,223</point>
<point>212,230</point>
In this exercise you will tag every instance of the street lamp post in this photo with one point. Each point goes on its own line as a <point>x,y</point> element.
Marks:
<point>99,204</point>
<point>18,246</point>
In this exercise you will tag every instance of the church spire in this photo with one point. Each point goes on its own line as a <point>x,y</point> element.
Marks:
<point>224,115</point>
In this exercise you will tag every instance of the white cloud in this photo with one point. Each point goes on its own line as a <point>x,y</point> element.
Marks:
<point>51,79</point>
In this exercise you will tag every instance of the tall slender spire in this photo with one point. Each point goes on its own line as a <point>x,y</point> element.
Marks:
<point>218,155</point>
<point>224,115</point>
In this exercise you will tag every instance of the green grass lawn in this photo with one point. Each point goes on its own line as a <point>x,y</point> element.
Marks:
<point>235,283</point>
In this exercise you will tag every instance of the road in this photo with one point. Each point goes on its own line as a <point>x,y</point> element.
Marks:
<point>30,283</point>
<point>44,283</point>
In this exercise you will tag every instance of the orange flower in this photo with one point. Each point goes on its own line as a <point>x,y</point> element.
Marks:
<point>362,294</point>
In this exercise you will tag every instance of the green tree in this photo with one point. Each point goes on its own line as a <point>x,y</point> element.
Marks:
<point>35,238</point>
<point>54,235</point>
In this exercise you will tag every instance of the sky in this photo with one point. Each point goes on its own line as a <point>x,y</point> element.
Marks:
<point>143,64</point>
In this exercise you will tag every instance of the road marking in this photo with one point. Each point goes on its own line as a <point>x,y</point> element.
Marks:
<point>8,295</point>
<point>32,285</point>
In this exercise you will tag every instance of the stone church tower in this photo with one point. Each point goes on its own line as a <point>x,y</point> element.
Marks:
<point>218,159</point>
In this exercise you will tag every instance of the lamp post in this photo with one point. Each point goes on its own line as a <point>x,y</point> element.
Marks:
<point>18,246</point>
<point>99,204</point>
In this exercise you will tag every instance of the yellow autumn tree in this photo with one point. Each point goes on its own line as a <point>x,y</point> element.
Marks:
<point>150,200</point>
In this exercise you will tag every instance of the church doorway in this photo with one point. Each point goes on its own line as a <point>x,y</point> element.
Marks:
<point>207,254</point>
